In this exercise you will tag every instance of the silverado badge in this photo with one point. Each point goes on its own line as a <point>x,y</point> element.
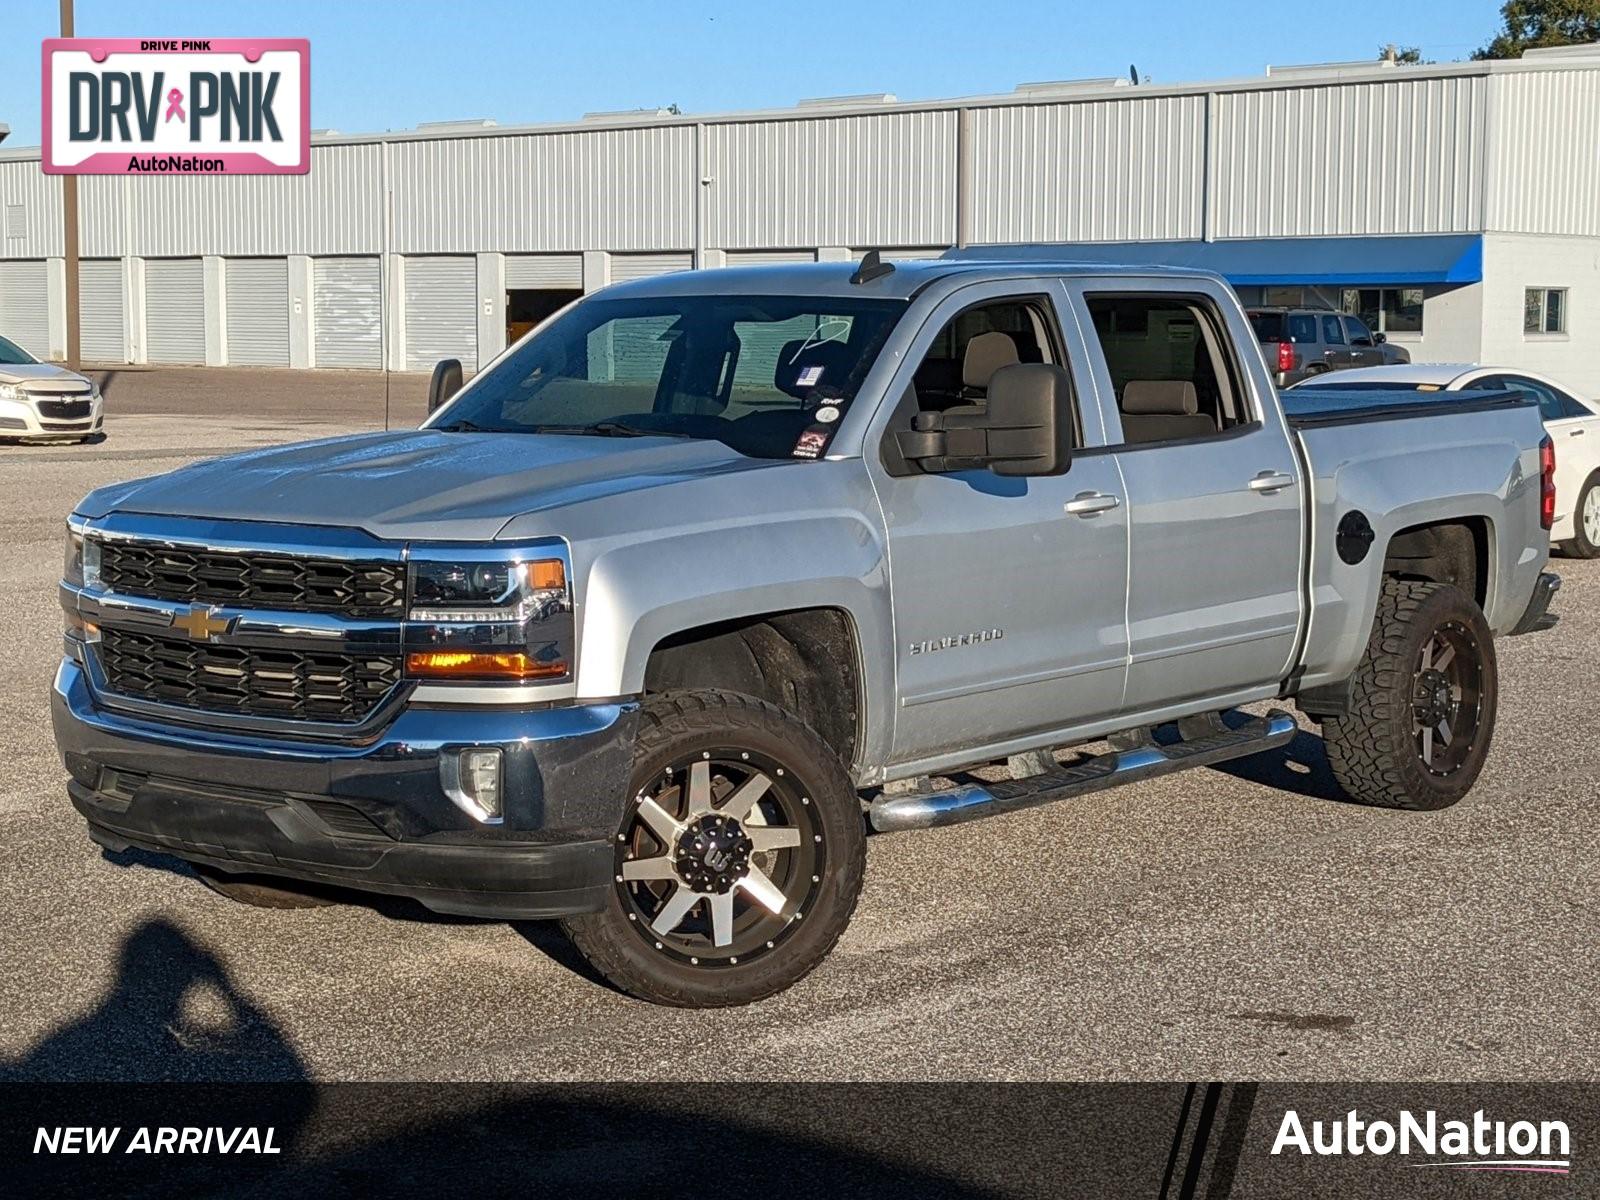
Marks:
<point>199,624</point>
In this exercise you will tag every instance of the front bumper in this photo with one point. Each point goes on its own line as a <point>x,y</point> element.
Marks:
<point>21,421</point>
<point>372,816</point>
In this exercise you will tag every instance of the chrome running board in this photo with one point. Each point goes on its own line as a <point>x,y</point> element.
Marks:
<point>1145,759</point>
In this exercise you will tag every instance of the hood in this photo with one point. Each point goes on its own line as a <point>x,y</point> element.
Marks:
<point>43,377</point>
<point>418,484</point>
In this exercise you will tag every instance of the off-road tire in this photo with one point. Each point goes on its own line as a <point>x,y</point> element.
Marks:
<point>1580,545</point>
<point>259,892</point>
<point>676,725</point>
<point>1373,750</point>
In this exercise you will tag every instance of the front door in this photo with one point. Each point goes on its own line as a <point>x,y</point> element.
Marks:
<point>1008,593</point>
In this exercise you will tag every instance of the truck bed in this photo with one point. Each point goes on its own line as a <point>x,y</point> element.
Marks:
<point>1316,406</point>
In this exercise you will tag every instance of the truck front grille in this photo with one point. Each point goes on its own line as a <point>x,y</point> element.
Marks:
<point>291,583</point>
<point>251,681</point>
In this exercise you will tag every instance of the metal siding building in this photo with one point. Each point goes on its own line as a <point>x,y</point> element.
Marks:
<point>404,247</point>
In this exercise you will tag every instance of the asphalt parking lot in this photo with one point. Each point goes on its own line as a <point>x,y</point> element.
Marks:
<point>1240,923</point>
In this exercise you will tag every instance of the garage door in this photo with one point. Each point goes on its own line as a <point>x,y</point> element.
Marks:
<point>543,271</point>
<point>100,311</point>
<point>24,306</point>
<point>258,311</point>
<point>639,266</point>
<point>768,258</point>
<point>347,312</point>
<point>174,310</point>
<point>441,312</point>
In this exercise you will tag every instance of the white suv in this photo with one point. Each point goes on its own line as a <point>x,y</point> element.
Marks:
<point>41,402</point>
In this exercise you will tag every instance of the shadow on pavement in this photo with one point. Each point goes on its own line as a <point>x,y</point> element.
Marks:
<point>1301,767</point>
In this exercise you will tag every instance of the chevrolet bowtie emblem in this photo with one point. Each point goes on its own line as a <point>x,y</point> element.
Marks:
<point>199,624</point>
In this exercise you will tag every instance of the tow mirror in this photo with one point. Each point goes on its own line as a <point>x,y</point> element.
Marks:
<point>446,382</point>
<point>1019,430</point>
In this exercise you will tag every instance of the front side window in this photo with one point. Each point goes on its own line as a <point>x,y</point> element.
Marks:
<point>1359,334</point>
<point>1167,356</point>
<point>752,372</point>
<point>1544,310</point>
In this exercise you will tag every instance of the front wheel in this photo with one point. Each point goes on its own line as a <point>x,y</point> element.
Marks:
<point>1422,701</point>
<point>739,858</point>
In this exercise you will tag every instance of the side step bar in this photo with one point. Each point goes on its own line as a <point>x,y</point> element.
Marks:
<point>1145,760</point>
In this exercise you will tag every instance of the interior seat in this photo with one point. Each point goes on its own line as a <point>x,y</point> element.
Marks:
<point>1162,410</point>
<point>986,353</point>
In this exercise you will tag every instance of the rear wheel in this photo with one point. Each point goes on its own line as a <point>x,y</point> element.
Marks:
<point>1585,541</point>
<point>739,858</point>
<point>1422,702</point>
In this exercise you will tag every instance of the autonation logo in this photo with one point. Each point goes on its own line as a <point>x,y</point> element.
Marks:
<point>1476,1145</point>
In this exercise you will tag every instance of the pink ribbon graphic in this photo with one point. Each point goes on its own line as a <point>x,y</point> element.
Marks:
<point>175,105</point>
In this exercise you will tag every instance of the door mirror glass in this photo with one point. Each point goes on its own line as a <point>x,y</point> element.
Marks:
<point>446,382</point>
<point>1022,428</point>
<point>1380,338</point>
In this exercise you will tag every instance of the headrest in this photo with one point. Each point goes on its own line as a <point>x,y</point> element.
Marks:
<point>801,368</point>
<point>1022,381</point>
<point>1160,397</point>
<point>985,355</point>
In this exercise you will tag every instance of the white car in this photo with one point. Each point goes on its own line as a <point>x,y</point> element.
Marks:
<point>41,402</point>
<point>1573,425</point>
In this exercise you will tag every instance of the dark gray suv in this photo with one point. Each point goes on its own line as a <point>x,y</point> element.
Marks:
<point>1302,342</point>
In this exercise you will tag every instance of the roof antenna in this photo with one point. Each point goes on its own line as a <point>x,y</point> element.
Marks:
<point>872,267</point>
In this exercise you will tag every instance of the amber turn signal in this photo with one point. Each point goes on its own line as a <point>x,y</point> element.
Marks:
<point>474,664</point>
<point>547,574</point>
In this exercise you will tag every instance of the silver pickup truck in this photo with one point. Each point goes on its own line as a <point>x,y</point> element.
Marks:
<point>652,620</point>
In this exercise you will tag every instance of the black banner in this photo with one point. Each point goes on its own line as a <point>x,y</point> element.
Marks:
<point>755,1139</point>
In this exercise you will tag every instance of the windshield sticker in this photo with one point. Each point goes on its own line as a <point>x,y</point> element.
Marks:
<point>827,414</point>
<point>811,444</point>
<point>808,377</point>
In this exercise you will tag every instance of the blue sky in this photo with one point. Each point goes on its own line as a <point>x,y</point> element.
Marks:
<point>378,66</point>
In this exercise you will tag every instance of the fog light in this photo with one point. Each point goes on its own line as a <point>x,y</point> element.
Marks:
<point>471,778</point>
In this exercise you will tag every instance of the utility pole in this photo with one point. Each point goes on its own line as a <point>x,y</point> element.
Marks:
<point>69,218</point>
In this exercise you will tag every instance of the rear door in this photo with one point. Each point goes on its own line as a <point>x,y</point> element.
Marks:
<point>1335,346</point>
<point>1008,593</point>
<point>1213,491</point>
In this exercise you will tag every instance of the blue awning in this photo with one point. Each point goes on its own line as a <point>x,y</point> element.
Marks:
<point>1347,261</point>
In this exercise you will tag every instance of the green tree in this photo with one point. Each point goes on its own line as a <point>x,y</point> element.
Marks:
<point>1404,55</point>
<point>1530,24</point>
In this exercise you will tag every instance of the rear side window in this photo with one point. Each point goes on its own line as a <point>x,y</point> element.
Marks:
<point>1302,328</point>
<point>1171,366</point>
<point>1268,326</point>
<point>1331,333</point>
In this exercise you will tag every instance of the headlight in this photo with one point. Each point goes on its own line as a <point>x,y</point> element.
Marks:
<point>10,391</point>
<point>83,559</point>
<point>490,618</point>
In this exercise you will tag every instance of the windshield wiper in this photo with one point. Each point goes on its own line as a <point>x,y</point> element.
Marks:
<point>462,425</point>
<point>606,429</point>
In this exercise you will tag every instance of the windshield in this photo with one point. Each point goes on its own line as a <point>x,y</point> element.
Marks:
<point>753,372</point>
<point>13,355</point>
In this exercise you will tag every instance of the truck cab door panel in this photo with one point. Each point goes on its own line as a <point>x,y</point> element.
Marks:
<point>1214,493</point>
<point>1008,593</point>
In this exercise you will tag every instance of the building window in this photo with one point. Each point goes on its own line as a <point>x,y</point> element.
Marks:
<point>1544,310</point>
<point>1386,310</point>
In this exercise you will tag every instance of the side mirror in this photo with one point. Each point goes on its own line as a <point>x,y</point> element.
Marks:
<point>446,382</point>
<point>1380,338</point>
<point>1019,430</point>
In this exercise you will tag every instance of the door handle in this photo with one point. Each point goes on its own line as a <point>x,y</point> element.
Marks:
<point>1577,433</point>
<point>1087,504</point>
<point>1271,481</point>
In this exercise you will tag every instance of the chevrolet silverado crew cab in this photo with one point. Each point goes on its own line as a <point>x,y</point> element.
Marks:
<point>651,621</point>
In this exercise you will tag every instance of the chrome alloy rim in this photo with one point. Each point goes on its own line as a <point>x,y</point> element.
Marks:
<point>1591,516</point>
<point>722,854</point>
<point>1447,698</point>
